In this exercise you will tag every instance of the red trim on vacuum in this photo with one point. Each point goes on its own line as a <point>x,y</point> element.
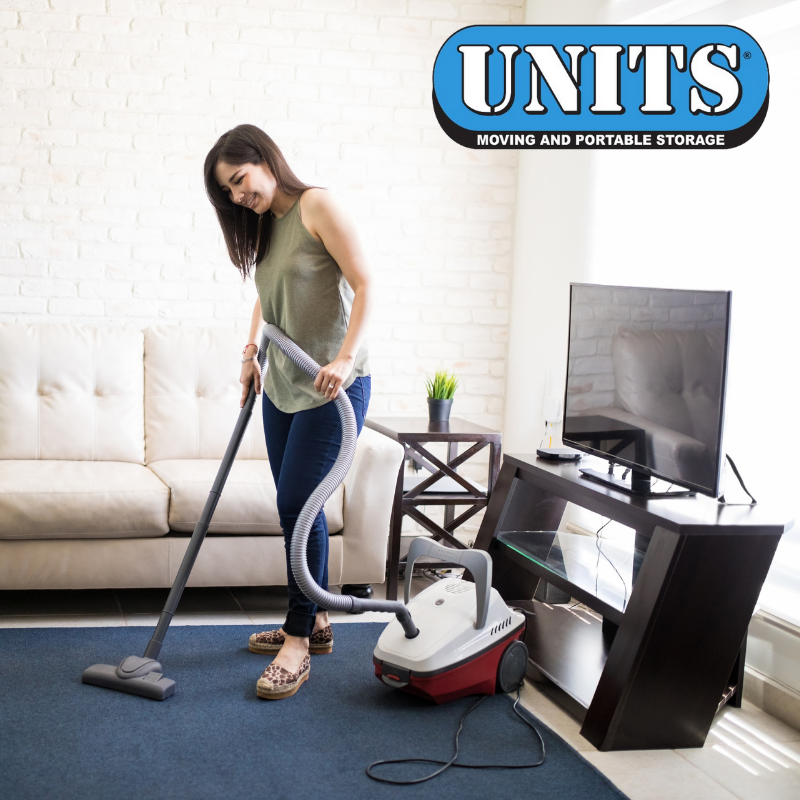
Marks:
<point>476,675</point>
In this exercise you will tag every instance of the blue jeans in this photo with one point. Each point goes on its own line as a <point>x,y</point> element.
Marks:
<point>302,448</point>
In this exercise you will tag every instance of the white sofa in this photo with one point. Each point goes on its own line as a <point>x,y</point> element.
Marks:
<point>110,439</point>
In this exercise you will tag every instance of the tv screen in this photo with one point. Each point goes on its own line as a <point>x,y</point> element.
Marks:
<point>646,380</point>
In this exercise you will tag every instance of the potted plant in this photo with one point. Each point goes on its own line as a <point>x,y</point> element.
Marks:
<point>441,388</point>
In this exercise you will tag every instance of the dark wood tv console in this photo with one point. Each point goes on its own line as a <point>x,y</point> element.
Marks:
<point>668,651</point>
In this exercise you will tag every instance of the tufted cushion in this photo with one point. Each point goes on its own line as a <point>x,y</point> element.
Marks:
<point>71,393</point>
<point>248,501</point>
<point>192,394</point>
<point>80,500</point>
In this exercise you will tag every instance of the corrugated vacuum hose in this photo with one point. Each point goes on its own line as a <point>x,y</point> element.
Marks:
<point>315,503</point>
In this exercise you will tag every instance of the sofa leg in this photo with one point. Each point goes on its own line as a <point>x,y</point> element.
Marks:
<point>362,590</point>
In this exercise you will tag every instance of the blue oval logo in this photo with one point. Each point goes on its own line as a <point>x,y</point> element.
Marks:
<point>588,86</point>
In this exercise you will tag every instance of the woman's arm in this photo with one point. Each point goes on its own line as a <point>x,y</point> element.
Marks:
<point>327,221</point>
<point>250,369</point>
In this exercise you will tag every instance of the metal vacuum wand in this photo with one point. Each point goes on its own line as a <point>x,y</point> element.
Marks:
<point>200,530</point>
<point>143,676</point>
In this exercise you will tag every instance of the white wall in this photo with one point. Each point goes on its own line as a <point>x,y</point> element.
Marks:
<point>722,220</point>
<point>108,107</point>
<point>550,250</point>
<point>683,219</point>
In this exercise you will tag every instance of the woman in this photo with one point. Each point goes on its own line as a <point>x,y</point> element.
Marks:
<point>313,282</point>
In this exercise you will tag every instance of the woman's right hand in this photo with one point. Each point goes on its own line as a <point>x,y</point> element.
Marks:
<point>251,371</point>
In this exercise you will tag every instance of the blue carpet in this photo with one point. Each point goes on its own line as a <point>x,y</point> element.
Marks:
<point>215,739</point>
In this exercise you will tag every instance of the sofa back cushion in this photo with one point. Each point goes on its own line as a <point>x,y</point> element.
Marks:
<point>192,394</point>
<point>71,393</point>
<point>671,377</point>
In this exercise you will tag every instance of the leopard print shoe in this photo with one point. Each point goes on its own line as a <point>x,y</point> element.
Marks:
<point>320,642</point>
<point>276,683</point>
<point>266,642</point>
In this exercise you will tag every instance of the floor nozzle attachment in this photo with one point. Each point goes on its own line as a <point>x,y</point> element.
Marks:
<point>134,675</point>
<point>137,667</point>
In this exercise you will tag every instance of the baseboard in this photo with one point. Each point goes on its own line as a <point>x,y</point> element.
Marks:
<point>773,653</point>
<point>772,697</point>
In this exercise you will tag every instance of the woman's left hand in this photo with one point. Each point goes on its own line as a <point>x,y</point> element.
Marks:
<point>331,377</point>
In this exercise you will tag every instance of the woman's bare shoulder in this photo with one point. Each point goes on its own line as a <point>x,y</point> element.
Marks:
<point>319,208</point>
<point>318,199</point>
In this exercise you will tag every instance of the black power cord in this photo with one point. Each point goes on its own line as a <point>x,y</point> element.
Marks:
<point>453,762</point>
<point>722,499</point>
<point>597,566</point>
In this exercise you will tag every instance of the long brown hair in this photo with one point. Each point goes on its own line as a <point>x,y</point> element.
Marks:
<point>246,233</point>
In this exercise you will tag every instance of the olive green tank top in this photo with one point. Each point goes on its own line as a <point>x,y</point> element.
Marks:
<point>303,292</point>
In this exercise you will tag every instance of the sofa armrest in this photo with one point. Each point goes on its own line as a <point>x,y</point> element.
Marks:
<point>368,496</point>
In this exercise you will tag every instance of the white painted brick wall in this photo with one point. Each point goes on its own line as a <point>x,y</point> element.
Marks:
<point>108,107</point>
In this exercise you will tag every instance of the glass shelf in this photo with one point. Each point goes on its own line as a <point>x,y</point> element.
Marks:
<point>599,572</point>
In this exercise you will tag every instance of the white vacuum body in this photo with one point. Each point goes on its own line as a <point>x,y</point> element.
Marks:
<point>469,640</point>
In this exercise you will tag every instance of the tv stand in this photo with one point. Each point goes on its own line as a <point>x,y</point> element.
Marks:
<point>676,607</point>
<point>639,485</point>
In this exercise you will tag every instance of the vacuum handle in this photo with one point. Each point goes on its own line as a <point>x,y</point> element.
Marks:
<point>478,562</point>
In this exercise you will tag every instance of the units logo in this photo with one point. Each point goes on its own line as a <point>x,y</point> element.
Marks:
<point>600,86</point>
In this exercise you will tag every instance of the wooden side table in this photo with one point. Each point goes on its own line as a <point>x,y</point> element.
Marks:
<point>414,433</point>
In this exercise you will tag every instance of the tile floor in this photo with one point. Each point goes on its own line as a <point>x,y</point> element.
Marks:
<point>748,754</point>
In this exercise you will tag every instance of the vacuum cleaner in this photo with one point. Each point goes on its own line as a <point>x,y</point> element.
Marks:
<point>470,641</point>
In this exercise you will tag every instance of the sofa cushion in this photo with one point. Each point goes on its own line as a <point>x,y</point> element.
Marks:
<point>142,563</point>
<point>80,500</point>
<point>71,393</point>
<point>248,501</point>
<point>192,394</point>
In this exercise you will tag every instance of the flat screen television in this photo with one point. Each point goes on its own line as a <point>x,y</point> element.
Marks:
<point>645,385</point>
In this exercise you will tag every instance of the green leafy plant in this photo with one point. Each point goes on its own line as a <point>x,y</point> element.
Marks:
<point>442,386</point>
